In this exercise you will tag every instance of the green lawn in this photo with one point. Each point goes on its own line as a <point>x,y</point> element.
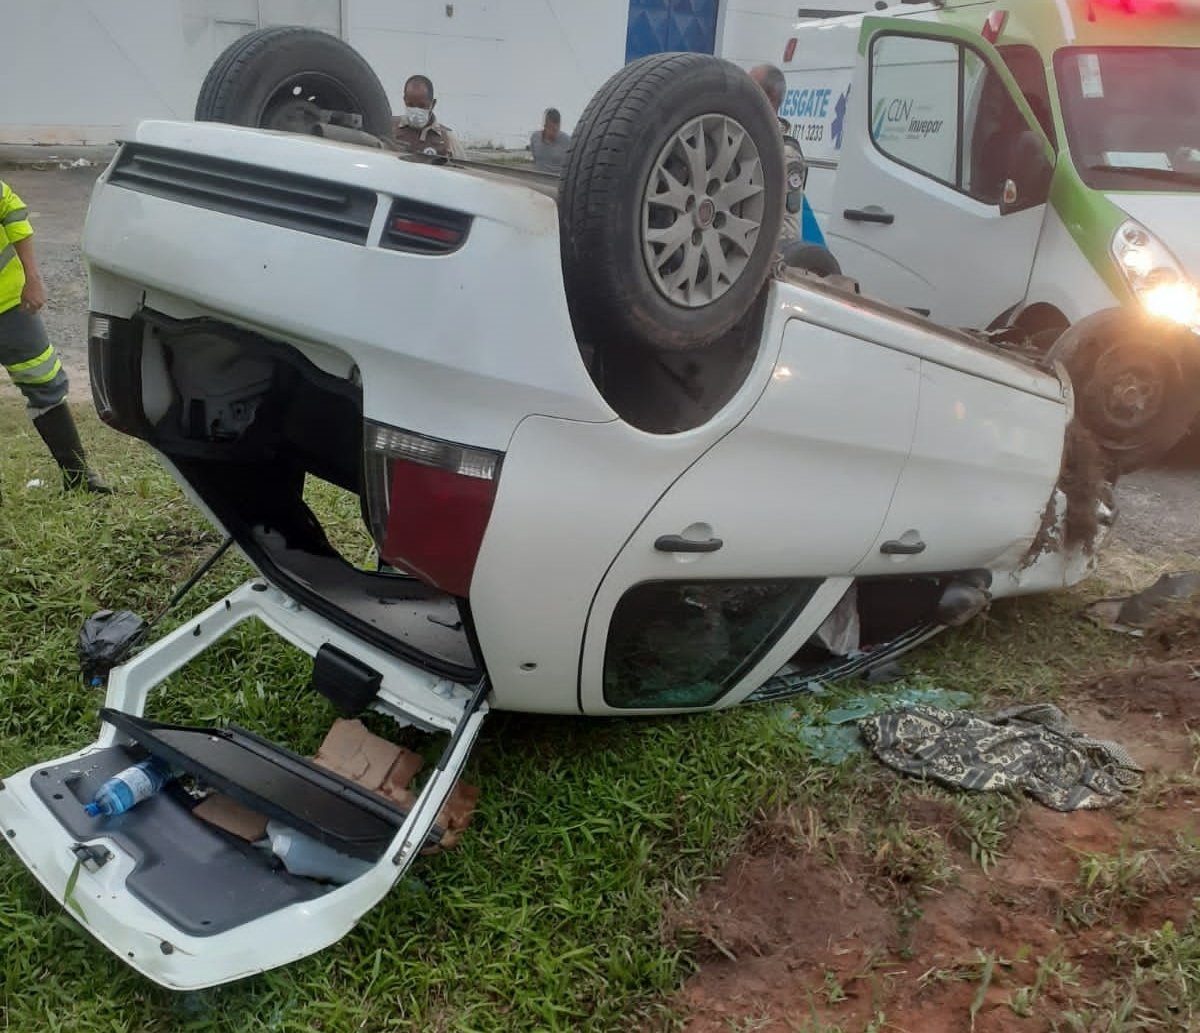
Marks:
<point>548,916</point>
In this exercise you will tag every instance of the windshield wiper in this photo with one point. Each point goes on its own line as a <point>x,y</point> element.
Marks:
<point>1169,175</point>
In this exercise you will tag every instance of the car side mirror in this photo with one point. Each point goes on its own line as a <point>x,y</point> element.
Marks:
<point>1030,173</point>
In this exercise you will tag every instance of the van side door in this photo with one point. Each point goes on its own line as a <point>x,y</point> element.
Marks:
<point>942,188</point>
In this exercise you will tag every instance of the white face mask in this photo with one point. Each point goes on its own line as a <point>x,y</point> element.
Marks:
<point>418,118</point>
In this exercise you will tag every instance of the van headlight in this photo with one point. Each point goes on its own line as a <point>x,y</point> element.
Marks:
<point>1155,275</point>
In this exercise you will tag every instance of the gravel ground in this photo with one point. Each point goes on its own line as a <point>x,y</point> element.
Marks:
<point>1160,514</point>
<point>1160,509</point>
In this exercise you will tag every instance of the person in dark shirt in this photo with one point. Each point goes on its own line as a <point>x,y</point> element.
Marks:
<point>549,144</point>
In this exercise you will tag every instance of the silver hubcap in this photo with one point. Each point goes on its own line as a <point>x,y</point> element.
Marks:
<point>702,210</point>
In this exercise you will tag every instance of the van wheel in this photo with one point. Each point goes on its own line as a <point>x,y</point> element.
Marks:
<point>670,204</point>
<point>1134,384</point>
<point>284,78</point>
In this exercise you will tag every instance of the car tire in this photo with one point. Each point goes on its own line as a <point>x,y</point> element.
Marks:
<point>812,258</point>
<point>282,77</point>
<point>637,181</point>
<point>1134,384</point>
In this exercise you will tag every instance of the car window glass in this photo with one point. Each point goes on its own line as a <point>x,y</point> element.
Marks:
<point>994,131</point>
<point>1027,68</point>
<point>685,644</point>
<point>914,103</point>
<point>1131,116</point>
<point>940,108</point>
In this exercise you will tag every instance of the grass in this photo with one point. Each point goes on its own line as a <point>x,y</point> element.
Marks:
<point>1159,988</point>
<point>549,915</point>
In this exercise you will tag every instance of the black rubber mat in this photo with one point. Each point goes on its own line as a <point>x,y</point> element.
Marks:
<point>199,879</point>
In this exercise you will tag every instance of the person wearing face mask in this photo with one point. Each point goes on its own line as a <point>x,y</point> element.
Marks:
<point>418,131</point>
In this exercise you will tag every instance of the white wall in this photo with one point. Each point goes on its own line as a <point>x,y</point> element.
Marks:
<point>496,64</point>
<point>85,69</point>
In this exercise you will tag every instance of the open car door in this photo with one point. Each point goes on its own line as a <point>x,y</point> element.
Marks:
<point>184,902</point>
<point>944,177</point>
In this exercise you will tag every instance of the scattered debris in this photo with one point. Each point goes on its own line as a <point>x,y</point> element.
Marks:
<point>832,736</point>
<point>819,923</point>
<point>1033,748</point>
<point>1084,482</point>
<point>1134,614</point>
<point>1083,503</point>
<point>104,639</point>
<point>37,482</point>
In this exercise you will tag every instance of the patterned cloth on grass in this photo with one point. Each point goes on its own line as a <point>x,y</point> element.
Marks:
<point>1034,748</point>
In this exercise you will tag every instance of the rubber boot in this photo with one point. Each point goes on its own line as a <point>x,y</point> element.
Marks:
<point>57,428</point>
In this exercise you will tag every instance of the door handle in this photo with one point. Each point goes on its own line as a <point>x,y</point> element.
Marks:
<point>895,548</point>
<point>872,213</point>
<point>677,543</point>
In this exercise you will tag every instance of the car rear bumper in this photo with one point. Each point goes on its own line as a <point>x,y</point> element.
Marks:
<point>461,345</point>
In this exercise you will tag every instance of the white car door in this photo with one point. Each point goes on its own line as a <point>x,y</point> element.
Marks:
<point>746,553</point>
<point>983,466</point>
<point>941,190</point>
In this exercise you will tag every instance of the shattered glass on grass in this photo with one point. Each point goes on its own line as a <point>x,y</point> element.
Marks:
<point>831,734</point>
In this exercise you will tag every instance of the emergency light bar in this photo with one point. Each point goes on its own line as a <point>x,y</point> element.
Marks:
<point>1143,7</point>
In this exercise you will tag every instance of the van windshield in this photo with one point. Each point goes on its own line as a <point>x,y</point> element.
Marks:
<point>1132,116</point>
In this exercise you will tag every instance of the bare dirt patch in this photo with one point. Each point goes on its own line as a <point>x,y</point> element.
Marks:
<point>806,933</point>
<point>777,920</point>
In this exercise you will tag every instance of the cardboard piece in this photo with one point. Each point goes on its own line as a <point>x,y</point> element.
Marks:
<point>354,753</point>
<point>373,763</point>
<point>403,770</point>
<point>456,815</point>
<point>226,813</point>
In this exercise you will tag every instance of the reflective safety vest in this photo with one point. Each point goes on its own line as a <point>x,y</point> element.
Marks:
<point>14,227</point>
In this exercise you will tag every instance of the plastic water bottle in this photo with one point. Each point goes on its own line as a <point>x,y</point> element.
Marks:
<point>130,787</point>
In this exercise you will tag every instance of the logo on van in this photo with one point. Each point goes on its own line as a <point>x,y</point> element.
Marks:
<point>838,127</point>
<point>891,118</point>
<point>805,103</point>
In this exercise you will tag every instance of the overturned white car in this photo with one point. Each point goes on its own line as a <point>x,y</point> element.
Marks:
<point>612,462</point>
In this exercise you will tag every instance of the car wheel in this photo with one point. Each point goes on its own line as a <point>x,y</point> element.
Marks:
<point>1132,390</point>
<point>284,77</point>
<point>812,258</point>
<point>670,204</point>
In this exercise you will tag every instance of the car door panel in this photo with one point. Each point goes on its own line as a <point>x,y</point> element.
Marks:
<point>795,495</point>
<point>917,215</point>
<point>984,462</point>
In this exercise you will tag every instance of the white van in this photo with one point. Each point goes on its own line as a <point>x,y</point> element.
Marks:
<point>1010,163</point>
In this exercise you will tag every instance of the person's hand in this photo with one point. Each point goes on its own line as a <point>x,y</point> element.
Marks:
<point>33,297</point>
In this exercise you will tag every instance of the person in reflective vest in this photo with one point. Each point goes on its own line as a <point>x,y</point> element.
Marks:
<point>25,349</point>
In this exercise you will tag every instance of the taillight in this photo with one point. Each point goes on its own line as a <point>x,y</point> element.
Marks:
<point>115,370</point>
<point>424,228</point>
<point>789,50</point>
<point>429,502</point>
